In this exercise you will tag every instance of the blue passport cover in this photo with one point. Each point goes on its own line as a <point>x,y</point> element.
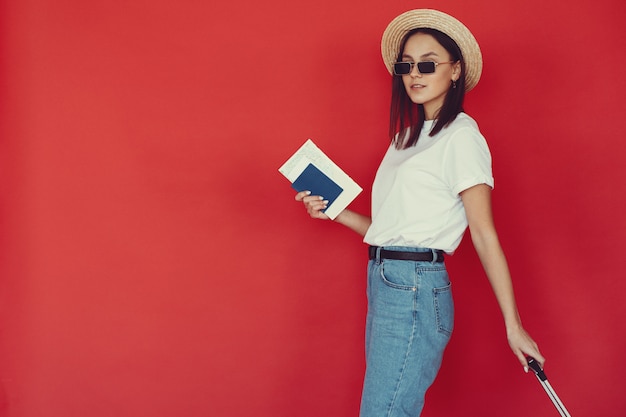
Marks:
<point>317,183</point>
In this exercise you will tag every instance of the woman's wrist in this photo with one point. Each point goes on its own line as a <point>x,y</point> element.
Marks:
<point>354,221</point>
<point>513,325</point>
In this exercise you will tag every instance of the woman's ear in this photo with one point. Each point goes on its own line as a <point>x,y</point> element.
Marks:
<point>456,71</point>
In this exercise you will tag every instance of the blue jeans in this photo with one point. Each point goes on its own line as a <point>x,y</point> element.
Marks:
<point>409,322</point>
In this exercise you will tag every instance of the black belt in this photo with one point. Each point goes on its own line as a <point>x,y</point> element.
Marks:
<point>431,256</point>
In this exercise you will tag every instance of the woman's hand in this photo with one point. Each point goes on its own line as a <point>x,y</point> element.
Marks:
<point>523,345</point>
<point>314,204</point>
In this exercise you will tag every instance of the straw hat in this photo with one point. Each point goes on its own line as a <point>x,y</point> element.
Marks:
<point>433,19</point>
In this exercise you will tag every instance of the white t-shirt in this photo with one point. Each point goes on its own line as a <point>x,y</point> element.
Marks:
<point>415,196</point>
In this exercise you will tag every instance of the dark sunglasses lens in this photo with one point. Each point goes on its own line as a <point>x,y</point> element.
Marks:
<point>426,67</point>
<point>402,68</point>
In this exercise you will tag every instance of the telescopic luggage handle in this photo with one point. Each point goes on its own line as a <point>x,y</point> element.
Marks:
<point>543,379</point>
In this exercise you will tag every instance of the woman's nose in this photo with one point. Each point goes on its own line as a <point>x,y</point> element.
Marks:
<point>414,71</point>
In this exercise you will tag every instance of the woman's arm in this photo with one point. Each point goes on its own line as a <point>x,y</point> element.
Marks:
<point>477,202</point>
<point>315,204</point>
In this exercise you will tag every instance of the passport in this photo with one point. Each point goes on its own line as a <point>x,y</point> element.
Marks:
<point>318,183</point>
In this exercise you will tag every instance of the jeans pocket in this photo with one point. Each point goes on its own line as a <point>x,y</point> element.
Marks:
<point>444,309</point>
<point>400,275</point>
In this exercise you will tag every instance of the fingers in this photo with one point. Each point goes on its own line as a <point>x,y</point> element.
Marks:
<point>314,204</point>
<point>530,348</point>
<point>535,354</point>
<point>524,346</point>
<point>300,196</point>
<point>523,359</point>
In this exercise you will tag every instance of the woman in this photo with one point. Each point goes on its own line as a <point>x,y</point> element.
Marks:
<point>434,181</point>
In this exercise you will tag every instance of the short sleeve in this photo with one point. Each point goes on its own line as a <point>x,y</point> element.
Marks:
<point>467,161</point>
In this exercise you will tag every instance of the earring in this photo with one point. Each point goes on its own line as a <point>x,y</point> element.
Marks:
<point>453,84</point>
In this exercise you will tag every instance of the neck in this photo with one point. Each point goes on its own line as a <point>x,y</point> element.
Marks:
<point>430,113</point>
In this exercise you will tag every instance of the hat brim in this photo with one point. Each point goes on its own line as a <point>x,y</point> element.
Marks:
<point>433,19</point>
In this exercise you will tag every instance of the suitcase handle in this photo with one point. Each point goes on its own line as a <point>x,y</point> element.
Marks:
<point>543,379</point>
<point>534,365</point>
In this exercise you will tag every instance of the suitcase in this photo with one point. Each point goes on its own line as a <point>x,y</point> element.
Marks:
<point>543,379</point>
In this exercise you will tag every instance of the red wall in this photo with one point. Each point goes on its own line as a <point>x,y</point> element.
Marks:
<point>153,261</point>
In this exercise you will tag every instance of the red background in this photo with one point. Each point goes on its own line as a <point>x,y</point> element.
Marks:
<point>153,261</point>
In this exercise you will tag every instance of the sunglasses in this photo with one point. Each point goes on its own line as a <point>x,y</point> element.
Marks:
<point>424,67</point>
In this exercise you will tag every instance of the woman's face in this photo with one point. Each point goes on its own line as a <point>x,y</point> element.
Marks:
<point>428,89</point>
